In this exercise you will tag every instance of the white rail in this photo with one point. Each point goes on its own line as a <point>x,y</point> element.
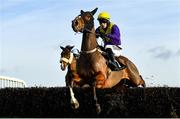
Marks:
<point>10,82</point>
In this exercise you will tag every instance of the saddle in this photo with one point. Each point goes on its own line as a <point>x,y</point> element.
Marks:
<point>112,63</point>
<point>76,53</point>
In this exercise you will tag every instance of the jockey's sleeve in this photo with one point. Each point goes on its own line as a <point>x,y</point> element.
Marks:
<point>115,35</point>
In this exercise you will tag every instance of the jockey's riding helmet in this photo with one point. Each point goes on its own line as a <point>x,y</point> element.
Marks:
<point>104,15</point>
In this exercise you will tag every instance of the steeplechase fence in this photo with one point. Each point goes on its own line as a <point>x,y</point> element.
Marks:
<point>9,82</point>
<point>54,102</point>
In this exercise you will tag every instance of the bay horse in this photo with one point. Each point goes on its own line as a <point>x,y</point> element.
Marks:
<point>92,66</point>
<point>68,59</point>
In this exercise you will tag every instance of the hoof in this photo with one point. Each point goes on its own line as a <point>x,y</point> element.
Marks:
<point>140,86</point>
<point>98,108</point>
<point>74,104</point>
<point>85,86</point>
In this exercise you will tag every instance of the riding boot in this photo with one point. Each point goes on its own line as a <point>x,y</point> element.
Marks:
<point>112,63</point>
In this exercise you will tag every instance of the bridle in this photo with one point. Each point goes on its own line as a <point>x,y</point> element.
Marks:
<point>66,60</point>
<point>85,29</point>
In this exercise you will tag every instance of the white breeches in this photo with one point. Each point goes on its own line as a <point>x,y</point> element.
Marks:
<point>115,49</point>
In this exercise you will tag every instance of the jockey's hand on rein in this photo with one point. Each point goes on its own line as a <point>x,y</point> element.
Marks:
<point>105,37</point>
<point>102,35</point>
<point>98,35</point>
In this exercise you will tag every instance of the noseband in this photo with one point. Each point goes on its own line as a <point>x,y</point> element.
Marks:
<point>69,61</point>
<point>83,24</point>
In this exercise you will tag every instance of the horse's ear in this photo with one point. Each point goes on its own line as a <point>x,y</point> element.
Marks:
<point>82,12</point>
<point>62,47</point>
<point>72,47</point>
<point>69,47</point>
<point>94,11</point>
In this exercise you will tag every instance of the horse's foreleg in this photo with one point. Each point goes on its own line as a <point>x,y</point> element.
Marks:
<point>74,102</point>
<point>98,108</point>
<point>100,80</point>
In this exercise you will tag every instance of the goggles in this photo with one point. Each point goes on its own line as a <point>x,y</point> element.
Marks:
<point>103,21</point>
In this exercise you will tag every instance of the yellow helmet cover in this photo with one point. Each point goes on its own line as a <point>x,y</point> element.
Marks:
<point>104,15</point>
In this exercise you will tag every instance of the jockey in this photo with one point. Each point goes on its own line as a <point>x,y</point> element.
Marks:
<point>110,34</point>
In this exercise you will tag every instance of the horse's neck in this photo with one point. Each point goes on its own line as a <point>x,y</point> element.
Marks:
<point>89,40</point>
<point>72,65</point>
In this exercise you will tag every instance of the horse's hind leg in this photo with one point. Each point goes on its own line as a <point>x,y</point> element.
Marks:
<point>139,82</point>
<point>134,75</point>
<point>142,82</point>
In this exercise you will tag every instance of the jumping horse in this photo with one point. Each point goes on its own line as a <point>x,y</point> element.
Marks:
<point>68,59</point>
<point>92,66</point>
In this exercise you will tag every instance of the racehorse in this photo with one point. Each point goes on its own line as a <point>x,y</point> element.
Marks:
<point>68,59</point>
<point>92,66</point>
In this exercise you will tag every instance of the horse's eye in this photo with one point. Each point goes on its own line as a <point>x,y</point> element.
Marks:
<point>76,23</point>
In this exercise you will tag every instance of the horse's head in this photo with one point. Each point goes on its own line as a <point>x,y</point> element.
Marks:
<point>84,21</point>
<point>66,56</point>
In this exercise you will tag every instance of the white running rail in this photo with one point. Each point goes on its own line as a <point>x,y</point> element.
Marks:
<point>9,82</point>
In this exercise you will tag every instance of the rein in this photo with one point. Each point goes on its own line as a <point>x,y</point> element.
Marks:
<point>89,51</point>
<point>85,29</point>
<point>93,50</point>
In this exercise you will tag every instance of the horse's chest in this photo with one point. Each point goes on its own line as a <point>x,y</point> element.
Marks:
<point>86,68</point>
